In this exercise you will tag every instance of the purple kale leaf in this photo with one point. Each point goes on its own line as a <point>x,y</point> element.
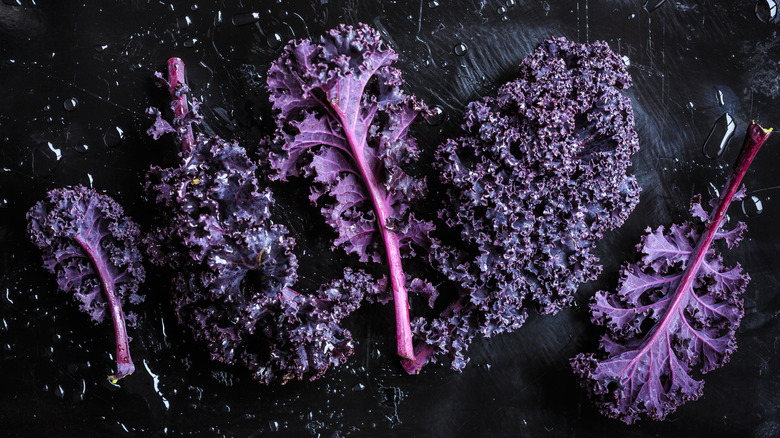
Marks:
<point>234,266</point>
<point>92,248</point>
<point>343,120</point>
<point>539,175</point>
<point>689,298</point>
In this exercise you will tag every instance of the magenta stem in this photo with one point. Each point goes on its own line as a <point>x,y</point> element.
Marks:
<point>176,82</point>
<point>124,363</point>
<point>405,345</point>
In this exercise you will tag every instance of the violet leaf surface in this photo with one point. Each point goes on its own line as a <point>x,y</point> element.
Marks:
<point>539,174</point>
<point>92,249</point>
<point>690,299</point>
<point>234,267</point>
<point>343,120</point>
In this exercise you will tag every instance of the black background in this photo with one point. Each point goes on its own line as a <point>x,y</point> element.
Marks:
<point>683,55</point>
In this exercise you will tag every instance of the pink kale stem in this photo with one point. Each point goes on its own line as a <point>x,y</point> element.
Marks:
<point>176,86</point>
<point>124,363</point>
<point>424,351</point>
<point>755,138</point>
<point>405,345</point>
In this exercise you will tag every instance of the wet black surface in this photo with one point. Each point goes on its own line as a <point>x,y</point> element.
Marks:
<point>76,79</point>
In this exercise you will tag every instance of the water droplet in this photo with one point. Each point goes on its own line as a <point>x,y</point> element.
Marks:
<point>501,10</point>
<point>461,49</point>
<point>713,191</point>
<point>113,137</point>
<point>719,136</point>
<point>194,7</point>
<point>504,18</point>
<point>13,2</point>
<point>766,11</point>
<point>752,205</point>
<point>81,148</point>
<point>626,60</point>
<point>70,104</point>
<point>652,5</point>
<point>719,97</point>
<point>433,4</point>
<point>47,108</point>
<point>358,387</point>
<point>3,203</point>
<point>218,19</point>
<point>190,42</point>
<point>274,40</point>
<point>510,3</point>
<point>101,48</point>
<point>437,116</point>
<point>244,19</point>
<point>690,106</point>
<point>184,22</point>
<point>273,426</point>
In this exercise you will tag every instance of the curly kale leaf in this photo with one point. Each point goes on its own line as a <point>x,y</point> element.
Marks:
<point>343,120</point>
<point>92,248</point>
<point>689,298</point>
<point>537,178</point>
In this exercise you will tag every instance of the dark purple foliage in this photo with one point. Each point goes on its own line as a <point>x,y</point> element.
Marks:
<point>234,267</point>
<point>92,248</point>
<point>539,175</point>
<point>343,120</point>
<point>682,290</point>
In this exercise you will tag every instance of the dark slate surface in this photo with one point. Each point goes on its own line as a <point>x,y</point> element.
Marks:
<point>692,62</point>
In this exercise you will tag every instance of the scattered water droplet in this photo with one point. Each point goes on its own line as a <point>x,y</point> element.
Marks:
<point>713,191</point>
<point>194,7</point>
<point>101,48</point>
<point>510,3</point>
<point>433,4</point>
<point>652,5</point>
<point>190,42</point>
<point>218,19</point>
<point>244,19</point>
<point>501,10</point>
<point>70,104</point>
<point>626,61</point>
<point>719,136</point>
<point>461,49</point>
<point>274,40</point>
<point>437,117</point>
<point>184,22</point>
<point>273,426</point>
<point>766,11</point>
<point>719,97</point>
<point>358,387</point>
<point>690,106</point>
<point>752,205</point>
<point>3,203</point>
<point>47,108</point>
<point>504,18</point>
<point>81,148</point>
<point>113,137</point>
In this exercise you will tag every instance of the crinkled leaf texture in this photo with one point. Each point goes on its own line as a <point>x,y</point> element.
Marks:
<point>343,119</point>
<point>648,372</point>
<point>92,249</point>
<point>539,175</point>
<point>234,266</point>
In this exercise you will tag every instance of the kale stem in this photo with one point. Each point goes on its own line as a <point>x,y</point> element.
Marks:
<point>178,87</point>
<point>124,363</point>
